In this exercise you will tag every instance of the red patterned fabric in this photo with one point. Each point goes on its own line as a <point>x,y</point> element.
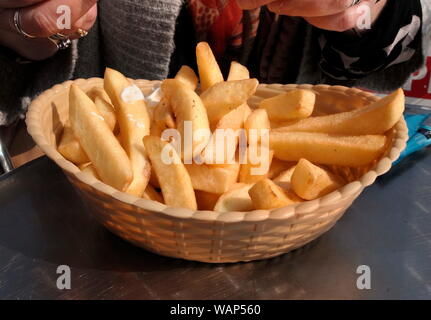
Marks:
<point>218,22</point>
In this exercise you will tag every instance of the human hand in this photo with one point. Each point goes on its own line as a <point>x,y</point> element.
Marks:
<point>333,15</point>
<point>39,19</point>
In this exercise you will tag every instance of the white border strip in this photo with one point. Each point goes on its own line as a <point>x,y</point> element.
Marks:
<point>418,102</point>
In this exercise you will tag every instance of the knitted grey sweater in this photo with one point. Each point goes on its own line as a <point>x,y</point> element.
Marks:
<point>143,53</point>
<point>136,37</point>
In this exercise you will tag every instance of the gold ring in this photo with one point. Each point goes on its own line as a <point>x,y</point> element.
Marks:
<point>81,32</point>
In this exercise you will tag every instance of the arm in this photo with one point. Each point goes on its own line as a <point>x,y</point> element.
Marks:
<point>395,39</point>
<point>28,66</point>
<point>350,54</point>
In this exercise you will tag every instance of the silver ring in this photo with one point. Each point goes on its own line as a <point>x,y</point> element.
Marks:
<point>60,40</point>
<point>17,24</point>
<point>354,3</point>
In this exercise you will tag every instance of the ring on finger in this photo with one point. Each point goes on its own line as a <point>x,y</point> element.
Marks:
<point>81,33</point>
<point>354,3</point>
<point>18,26</point>
<point>60,40</point>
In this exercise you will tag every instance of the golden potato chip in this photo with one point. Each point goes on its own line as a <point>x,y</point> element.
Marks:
<point>266,195</point>
<point>377,118</point>
<point>97,140</point>
<point>134,123</point>
<point>189,110</point>
<point>330,149</point>
<point>311,182</point>
<point>292,105</point>
<point>187,76</point>
<point>209,70</point>
<point>251,172</point>
<point>238,72</point>
<point>224,97</point>
<point>258,122</point>
<point>236,199</point>
<point>214,179</point>
<point>107,111</point>
<point>173,177</point>
<point>70,148</point>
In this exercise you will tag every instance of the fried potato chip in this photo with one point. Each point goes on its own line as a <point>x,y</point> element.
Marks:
<point>247,111</point>
<point>163,118</point>
<point>224,97</point>
<point>187,76</point>
<point>238,72</point>
<point>377,118</point>
<point>98,92</point>
<point>330,149</point>
<point>134,123</point>
<point>266,195</point>
<point>258,122</point>
<point>215,179</point>
<point>233,120</point>
<point>173,177</point>
<point>104,104</point>
<point>251,172</point>
<point>189,110</point>
<point>97,140</point>
<point>107,111</point>
<point>327,149</point>
<point>70,148</point>
<point>209,70</point>
<point>236,199</point>
<point>292,105</point>
<point>311,182</point>
<point>229,124</point>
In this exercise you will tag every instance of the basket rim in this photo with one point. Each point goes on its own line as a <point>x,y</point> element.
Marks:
<point>33,121</point>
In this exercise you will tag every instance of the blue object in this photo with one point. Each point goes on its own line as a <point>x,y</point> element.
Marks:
<point>419,134</point>
<point>414,122</point>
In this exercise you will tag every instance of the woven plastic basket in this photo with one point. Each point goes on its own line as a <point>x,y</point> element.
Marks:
<point>209,236</point>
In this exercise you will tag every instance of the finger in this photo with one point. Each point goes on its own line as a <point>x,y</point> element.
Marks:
<point>343,21</point>
<point>41,20</point>
<point>309,8</point>
<point>9,4</point>
<point>86,22</point>
<point>252,4</point>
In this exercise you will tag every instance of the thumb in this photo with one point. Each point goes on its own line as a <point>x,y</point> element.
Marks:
<point>45,19</point>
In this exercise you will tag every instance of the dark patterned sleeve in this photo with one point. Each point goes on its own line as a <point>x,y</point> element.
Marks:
<point>395,38</point>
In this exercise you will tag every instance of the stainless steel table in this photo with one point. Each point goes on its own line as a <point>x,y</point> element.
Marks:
<point>44,224</point>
